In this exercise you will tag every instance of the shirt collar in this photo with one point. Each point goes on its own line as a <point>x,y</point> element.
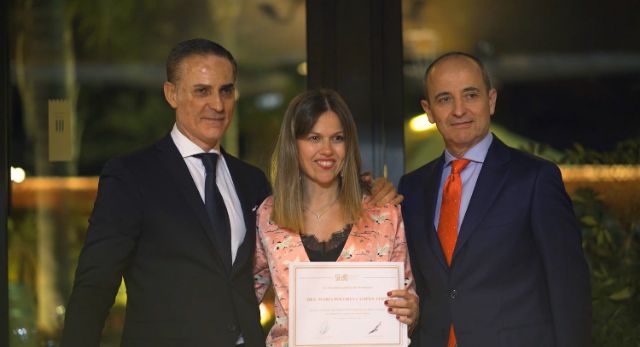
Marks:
<point>477,153</point>
<point>185,146</point>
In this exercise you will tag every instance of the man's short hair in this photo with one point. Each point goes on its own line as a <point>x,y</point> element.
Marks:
<point>196,46</point>
<point>483,69</point>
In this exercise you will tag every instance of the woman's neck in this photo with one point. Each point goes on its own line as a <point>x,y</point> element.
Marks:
<point>317,196</point>
<point>322,210</point>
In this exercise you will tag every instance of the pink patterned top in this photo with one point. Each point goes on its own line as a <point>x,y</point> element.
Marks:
<point>377,238</point>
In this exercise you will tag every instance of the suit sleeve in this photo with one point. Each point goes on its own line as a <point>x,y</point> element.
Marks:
<point>111,238</point>
<point>265,188</point>
<point>403,188</point>
<point>419,286</point>
<point>559,239</point>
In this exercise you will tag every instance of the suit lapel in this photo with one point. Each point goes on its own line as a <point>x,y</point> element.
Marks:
<point>492,176</point>
<point>174,164</point>
<point>432,184</point>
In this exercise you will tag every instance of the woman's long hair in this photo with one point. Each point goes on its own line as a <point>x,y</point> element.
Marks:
<point>286,175</point>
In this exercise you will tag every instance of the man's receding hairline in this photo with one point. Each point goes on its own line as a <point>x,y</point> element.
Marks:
<point>178,71</point>
<point>448,57</point>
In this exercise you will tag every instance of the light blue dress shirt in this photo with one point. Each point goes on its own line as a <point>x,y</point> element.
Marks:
<point>469,176</point>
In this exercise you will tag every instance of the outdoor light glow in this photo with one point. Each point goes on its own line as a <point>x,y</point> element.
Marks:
<point>302,68</point>
<point>421,123</point>
<point>17,174</point>
<point>265,314</point>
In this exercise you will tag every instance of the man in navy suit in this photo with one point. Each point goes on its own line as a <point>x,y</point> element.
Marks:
<point>149,225</point>
<point>517,275</point>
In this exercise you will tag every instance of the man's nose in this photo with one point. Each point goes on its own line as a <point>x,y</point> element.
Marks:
<point>458,107</point>
<point>215,102</point>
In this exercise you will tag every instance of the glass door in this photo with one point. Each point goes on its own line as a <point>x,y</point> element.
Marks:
<point>85,86</point>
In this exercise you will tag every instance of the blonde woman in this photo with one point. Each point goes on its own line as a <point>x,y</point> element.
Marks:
<point>319,209</point>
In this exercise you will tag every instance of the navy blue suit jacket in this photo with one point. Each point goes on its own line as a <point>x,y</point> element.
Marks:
<point>149,226</point>
<point>518,275</point>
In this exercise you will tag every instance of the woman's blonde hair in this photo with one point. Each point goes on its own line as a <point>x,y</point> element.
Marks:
<point>286,176</point>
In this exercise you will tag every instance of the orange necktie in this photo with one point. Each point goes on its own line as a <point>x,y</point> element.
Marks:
<point>449,212</point>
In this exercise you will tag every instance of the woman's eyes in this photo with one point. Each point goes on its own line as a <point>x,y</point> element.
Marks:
<point>318,138</point>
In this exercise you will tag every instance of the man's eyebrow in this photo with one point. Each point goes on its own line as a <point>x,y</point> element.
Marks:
<point>441,94</point>
<point>228,86</point>
<point>471,89</point>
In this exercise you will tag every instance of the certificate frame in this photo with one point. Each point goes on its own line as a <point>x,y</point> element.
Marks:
<point>342,304</point>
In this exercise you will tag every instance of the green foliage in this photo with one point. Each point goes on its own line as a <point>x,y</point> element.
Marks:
<point>626,152</point>
<point>612,248</point>
<point>613,251</point>
<point>125,120</point>
<point>614,258</point>
<point>123,33</point>
<point>540,149</point>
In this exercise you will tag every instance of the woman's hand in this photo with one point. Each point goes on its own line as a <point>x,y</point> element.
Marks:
<point>404,305</point>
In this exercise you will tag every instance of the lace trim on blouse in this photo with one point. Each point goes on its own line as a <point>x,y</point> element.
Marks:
<point>326,250</point>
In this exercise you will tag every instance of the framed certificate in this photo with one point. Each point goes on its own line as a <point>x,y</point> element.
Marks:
<point>342,304</point>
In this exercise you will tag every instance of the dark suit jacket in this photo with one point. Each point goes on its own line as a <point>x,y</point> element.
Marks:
<point>518,275</point>
<point>149,226</point>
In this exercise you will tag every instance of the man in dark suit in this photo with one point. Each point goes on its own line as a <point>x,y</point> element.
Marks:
<point>149,225</point>
<point>494,243</point>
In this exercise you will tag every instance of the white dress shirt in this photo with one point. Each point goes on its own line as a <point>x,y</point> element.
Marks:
<point>223,180</point>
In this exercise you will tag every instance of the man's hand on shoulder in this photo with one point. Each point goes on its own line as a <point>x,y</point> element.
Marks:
<point>382,191</point>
